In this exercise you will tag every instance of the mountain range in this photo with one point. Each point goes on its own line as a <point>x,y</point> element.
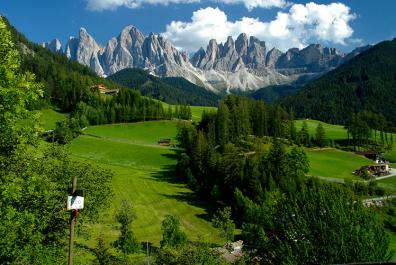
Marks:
<point>246,64</point>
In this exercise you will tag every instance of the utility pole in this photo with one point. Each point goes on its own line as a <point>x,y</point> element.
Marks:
<point>148,255</point>
<point>73,216</point>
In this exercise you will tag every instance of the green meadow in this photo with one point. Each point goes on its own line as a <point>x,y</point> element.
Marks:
<point>338,132</point>
<point>335,132</point>
<point>196,111</point>
<point>143,175</point>
<point>333,163</point>
<point>50,117</point>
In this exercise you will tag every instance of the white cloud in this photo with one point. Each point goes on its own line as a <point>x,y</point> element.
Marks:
<point>100,5</point>
<point>301,25</point>
<point>251,4</point>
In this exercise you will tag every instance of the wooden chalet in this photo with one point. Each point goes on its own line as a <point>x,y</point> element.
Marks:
<point>164,142</point>
<point>378,170</point>
<point>103,90</point>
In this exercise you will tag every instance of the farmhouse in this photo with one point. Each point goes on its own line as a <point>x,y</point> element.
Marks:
<point>103,89</point>
<point>164,142</point>
<point>381,169</point>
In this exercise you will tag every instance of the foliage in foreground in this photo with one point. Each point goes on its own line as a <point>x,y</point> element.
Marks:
<point>34,180</point>
<point>320,224</point>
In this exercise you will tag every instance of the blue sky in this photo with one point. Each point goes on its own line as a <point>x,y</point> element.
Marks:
<point>344,24</point>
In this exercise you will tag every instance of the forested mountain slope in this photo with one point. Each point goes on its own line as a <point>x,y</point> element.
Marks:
<point>366,82</point>
<point>174,90</point>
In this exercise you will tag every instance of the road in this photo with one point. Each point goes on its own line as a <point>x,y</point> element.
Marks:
<point>392,174</point>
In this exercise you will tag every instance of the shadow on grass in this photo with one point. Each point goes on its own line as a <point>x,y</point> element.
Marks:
<point>192,199</point>
<point>168,174</point>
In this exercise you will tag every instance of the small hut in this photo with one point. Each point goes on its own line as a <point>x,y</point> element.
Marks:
<point>164,142</point>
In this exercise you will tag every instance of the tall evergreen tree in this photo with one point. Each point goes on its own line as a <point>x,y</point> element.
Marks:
<point>320,136</point>
<point>222,124</point>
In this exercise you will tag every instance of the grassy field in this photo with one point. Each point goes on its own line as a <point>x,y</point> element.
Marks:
<point>334,132</point>
<point>389,182</point>
<point>142,175</point>
<point>337,132</point>
<point>196,111</point>
<point>334,163</point>
<point>147,133</point>
<point>49,117</point>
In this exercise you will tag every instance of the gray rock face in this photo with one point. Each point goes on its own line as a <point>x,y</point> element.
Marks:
<point>124,51</point>
<point>272,57</point>
<point>85,50</point>
<point>54,46</point>
<point>243,64</point>
<point>313,58</point>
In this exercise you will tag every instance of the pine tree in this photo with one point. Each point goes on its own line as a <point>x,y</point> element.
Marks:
<point>304,134</point>
<point>222,124</point>
<point>320,136</point>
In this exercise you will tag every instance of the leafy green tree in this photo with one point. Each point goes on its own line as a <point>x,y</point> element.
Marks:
<point>222,220</point>
<point>191,253</point>
<point>320,224</point>
<point>102,254</point>
<point>172,235</point>
<point>17,91</point>
<point>33,181</point>
<point>126,242</point>
<point>320,136</point>
<point>33,184</point>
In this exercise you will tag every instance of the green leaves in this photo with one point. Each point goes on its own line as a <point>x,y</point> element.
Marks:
<point>172,235</point>
<point>126,242</point>
<point>320,224</point>
<point>222,220</point>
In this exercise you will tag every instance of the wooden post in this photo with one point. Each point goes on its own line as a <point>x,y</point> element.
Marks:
<point>148,255</point>
<point>72,222</point>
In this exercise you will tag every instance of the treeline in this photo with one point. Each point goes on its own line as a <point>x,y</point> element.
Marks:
<point>366,82</point>
<point>369,130</point>
<point>225,151</point>
<point>244,156</point>
<point>126,106</point>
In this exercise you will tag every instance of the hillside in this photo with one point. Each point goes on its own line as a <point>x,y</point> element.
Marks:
<point>65,82</point>
<point>271,94</point>
<point>173,90</point>
<point>367,81</point>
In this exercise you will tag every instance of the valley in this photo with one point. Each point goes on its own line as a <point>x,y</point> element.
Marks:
<point>237,152</point>
<point>144,174</point>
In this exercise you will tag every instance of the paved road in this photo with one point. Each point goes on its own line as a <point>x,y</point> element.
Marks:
<point>392,174</point>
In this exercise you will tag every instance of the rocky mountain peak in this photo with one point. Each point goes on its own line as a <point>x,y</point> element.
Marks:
<point>241,44</point>
<point>130,35</point>
<point>54,46</point>
<point>245,63</point>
